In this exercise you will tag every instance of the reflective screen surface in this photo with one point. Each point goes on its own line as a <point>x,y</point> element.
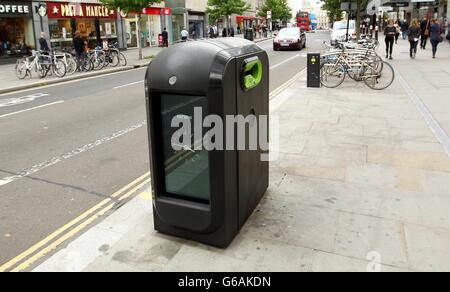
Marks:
<point>187,170</point>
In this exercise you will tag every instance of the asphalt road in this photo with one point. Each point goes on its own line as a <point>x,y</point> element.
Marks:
<point>65,148</point>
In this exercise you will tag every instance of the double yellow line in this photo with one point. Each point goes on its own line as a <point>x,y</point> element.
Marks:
<point>68,231</point>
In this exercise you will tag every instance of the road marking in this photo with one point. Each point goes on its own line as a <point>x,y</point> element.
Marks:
<point>434,125</point>
<point>61,240</point>
<point>71,81</point>
<point>129,84</point>
<point>31,109</point>
<point>76,230</point>
<point>21,100</point>
<point>284,62</point>
<point>69,225</point>
<point>57,159</point>
<point>287,83</point>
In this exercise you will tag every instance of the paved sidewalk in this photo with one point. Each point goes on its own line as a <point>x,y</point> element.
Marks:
<point>429,79</point>
<point>361,180</point>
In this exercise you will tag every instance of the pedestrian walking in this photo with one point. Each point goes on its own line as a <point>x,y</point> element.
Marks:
<point>43,43</point>
<point>165,36</point>
<point>405,29</point>
<point>414,37</point>
<point>425,32</point>
<point>211,32</point>
<point>79,46</point>
<point>184,35</point>
<point>390,31</point>
<point>448,31</point>
<point>397,31</point>
<point>435,36</point>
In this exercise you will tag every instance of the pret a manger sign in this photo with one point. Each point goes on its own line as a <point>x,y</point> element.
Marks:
<point>65,10</point>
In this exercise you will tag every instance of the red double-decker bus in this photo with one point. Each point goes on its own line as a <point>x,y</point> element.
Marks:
<point>303,20</point>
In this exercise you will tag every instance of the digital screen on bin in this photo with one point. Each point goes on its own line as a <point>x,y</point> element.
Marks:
<point>186,170</point>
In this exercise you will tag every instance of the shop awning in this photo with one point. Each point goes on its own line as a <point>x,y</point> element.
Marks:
<point>242,18</point>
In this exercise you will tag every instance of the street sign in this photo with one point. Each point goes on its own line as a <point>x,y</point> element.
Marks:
<point>269,14</point>
<point>373,7</point>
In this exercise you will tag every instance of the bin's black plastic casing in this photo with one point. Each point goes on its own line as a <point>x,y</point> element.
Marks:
<point>238,179</point>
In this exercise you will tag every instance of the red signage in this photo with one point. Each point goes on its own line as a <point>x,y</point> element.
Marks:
<point>78,10</point>
<point>156,11</point>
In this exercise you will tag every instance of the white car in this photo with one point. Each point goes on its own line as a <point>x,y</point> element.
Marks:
<point>338,34</point>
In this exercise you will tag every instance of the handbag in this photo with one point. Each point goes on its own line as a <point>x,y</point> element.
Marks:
<point>448,36</point>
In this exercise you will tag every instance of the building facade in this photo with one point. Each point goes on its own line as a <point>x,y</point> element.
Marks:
<point>16,29</point>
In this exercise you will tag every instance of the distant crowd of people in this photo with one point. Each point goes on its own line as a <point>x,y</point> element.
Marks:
<point>417,33</point>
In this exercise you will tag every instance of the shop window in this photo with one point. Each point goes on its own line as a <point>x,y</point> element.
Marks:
<point>108,29</point>
<point>16,37</point>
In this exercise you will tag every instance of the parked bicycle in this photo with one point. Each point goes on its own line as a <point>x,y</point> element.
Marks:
<point>357,62</point>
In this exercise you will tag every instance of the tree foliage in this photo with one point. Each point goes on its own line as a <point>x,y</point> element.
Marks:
<point>280,10</point>
<point>224,8</point>
<point>333,7</point>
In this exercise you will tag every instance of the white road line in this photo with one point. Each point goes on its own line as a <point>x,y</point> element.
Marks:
<point>129,84</point>
<point>72,81</point>
<point>284,62</point>
<point>438,132</point>
<point>31,109</point>
<point>57,159</point>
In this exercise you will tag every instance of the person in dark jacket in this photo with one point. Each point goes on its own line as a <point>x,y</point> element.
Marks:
<point>435,35</point>
<point>414,36</point>
<point>79,46</point>
<point>405,29</point>
<point>165,36</point>
<point>425,32</point>
<point>390,32</point>
<point>43,43</point>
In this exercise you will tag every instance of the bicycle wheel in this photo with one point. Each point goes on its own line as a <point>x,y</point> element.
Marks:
<point>87,65</point>
<point>114,59</point>
<point>59,68</point>
<point>122,60</point>
<point>42,70</point>
<point>379,80</point>
<point>71,66</point>
<point>332,75</point>
<point>21,70</point>
<point>99,61</point>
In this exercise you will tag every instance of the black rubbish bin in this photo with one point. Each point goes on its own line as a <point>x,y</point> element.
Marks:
<point>249,34</point>
<point>199,194</point>
<point>313,67</point>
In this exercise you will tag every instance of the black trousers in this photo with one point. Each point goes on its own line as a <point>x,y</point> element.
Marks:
<point>423,41</point>
<point>389,45</point>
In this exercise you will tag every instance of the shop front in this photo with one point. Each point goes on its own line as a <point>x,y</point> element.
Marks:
<point>150,26</point>
<point>16,30</point>
<point>197,24</point>
<point>96,23</point>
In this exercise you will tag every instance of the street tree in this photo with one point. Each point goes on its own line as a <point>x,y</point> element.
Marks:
<point>281,10</point>
<point>225,8</point>
<point>333,7</point>
<point>132,6</point>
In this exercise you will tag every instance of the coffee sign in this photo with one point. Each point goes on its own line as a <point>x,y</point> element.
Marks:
<point>14,9</point>
<point>81,10</point>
